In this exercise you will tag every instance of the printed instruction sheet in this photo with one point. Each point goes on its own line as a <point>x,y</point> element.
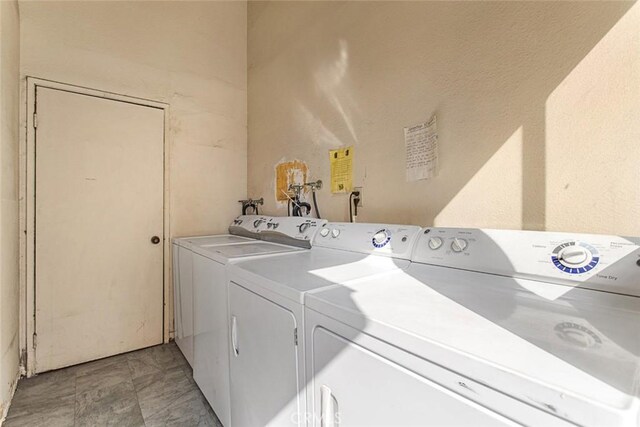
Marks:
<point>421,143</point>
<point>341,161</point>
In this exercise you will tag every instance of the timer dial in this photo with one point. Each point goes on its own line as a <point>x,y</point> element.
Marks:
<point>575,257</point>
<point>435,243</point>
<point>381,238</point>
<point>458,245</point>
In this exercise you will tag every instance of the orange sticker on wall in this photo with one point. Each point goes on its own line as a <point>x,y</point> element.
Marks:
<point>293,172</point>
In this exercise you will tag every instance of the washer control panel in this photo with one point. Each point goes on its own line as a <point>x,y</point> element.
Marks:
<point>248,225</point>
<point>288,229</point>
<point>602,262</point>
<point>382,239</point>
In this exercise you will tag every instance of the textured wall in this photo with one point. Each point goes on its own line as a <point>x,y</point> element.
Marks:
<point>537,106</point>
<point>9,138</point>
<point>191,55</point>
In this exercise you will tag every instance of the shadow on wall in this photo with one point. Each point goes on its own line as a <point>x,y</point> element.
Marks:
<point>357,73</point>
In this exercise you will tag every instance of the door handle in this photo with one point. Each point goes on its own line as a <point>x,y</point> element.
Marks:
<point>155,240</point>
<point>234,336</point>
<point>328,408</point>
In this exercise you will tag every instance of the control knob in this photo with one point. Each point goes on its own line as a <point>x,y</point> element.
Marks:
<point>324,232</point>
<point>303,227</point>
<point>335,233</point>
<point>458,245</point>
<point>435,243</point>
<point>573,255</point>
<point>381,238</point>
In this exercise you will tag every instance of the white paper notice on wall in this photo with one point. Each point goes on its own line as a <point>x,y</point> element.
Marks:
<point>421,143</point>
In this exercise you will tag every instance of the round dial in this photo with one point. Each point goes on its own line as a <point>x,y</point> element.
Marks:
<point>324,232</point>
<point>435,243</point>
<point>304,226</point>
<point>381,238</point>
<point>575,257</point>
<point>257,222</point>
<point>458,245</point>
<point>335,233</point>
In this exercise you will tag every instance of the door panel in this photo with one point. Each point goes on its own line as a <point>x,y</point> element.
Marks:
<point>211,336</point>
<point>264,362</point>
<point>355,387</point>
<point>99,200</point>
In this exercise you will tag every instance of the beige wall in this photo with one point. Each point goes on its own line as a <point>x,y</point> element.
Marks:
<point>9,131</point>
<point>537,105</point>
<point>191,55</point>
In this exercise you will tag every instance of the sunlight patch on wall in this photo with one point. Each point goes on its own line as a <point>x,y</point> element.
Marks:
<point>492,198</point>
<point>592,127</point>
<point>311,126</point>
<point>330,80</point>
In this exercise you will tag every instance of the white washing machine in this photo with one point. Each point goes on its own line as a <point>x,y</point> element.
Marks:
<point>486,327</point>
<point>210,297</point>
<point>243,229</point>
<point>266,298</point>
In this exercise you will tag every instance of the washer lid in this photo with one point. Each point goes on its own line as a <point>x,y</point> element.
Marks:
<point>575,354</point>
<point>222,239</point>
<point>241,250</point>
<point>293,274</point>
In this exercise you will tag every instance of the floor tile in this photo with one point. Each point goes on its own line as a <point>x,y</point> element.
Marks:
<point>189,410</point>
<point>116,405</point>
<point>152,360</point>
<point>106,374</point>
<point>51,392</point>
<point>55,413</point>
<point>158,390</point>
<point>154,385</point>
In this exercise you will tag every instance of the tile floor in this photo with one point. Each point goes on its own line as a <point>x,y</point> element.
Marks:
<point>149,387</point>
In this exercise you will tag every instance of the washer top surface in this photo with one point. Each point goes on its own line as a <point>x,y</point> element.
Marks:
<point>291,275</point>
<point>214,240</point>
<point>568,350</point>
<point>344,251</point>
<point>226,253</point>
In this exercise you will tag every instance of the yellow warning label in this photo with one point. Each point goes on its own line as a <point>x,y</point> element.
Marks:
<point>341,161</point>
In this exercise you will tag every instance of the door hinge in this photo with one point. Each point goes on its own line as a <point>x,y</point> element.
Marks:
<point>35,121</point>
<point>295,336</point>
<point>35,340</point>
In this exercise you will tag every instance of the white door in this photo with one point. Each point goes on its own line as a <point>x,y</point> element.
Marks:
<point>98,205</point>
<point>355,387</point>
<point>264,361</point>
<point>211,334</point>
